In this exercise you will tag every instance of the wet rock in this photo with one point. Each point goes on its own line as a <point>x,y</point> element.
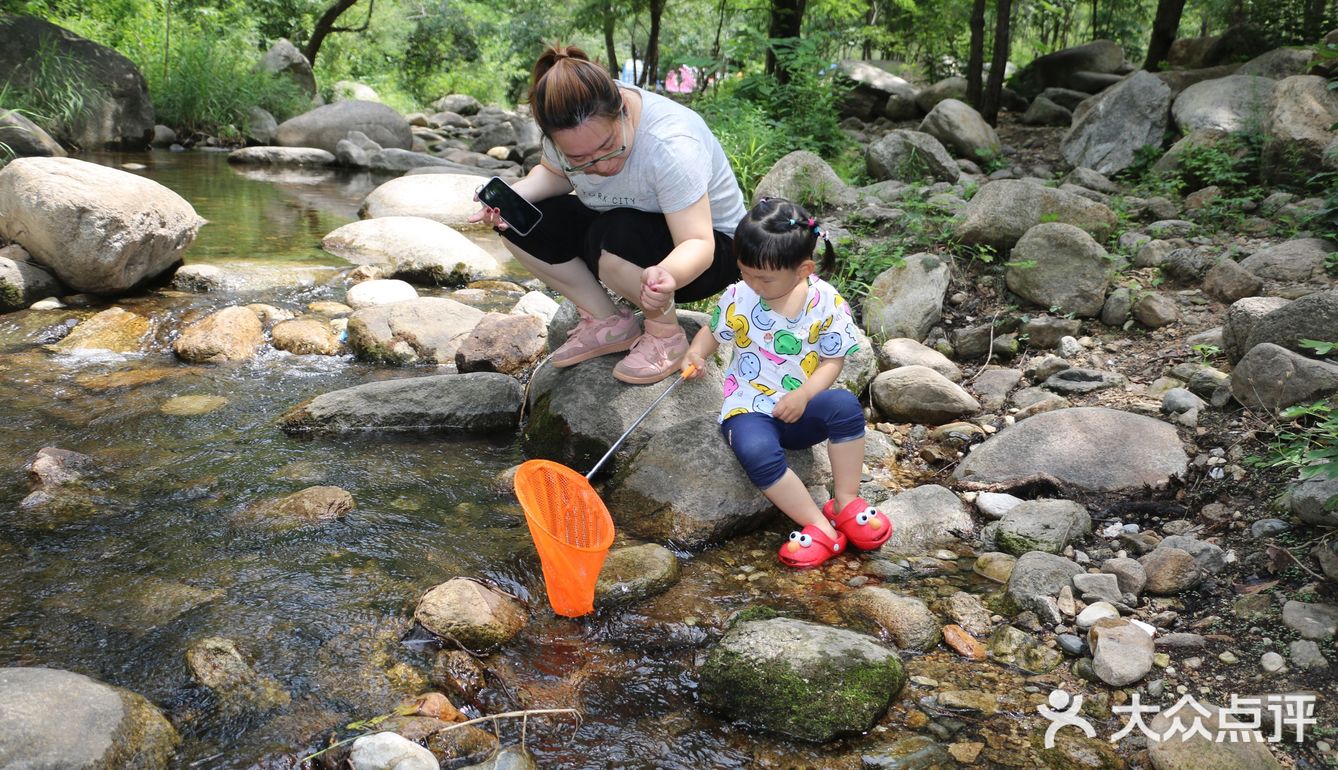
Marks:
<point>459,673</point>
<point>461,745</point>
<point>415,249</point>
<point>917,752</point>
<point>481,402</point>
<point>508,758</point>
<point>426,330</point>
<point>471,613</point>
<point>1059,265</point>
<point>909,623</point>
<point>309,505</point>
<point>192,405</point>
<point>1311,621</point>
<point>98,229</point>
<point>1170,571</point>
<point>1128,572</point>
<point>54,467</point>
<point>1186,750</point>
<point>923,517</point>
<point>1042,525</point>
<point>229,335</point>
<point>634,573</point>
<point>963,643</point>
<point>117,728</point>
<point>922,395</point>
<point>801,679</point>
<point>1088,447</point>
<point>505,343</point>
<point>1273,377</point>
<point>1004,210</point>
<point>971,701</point>
<point>389,751</point>
<point>965,610</point>
<point>1038,576</point>
<point>1306,655</point>
<point>901,351</point>
<point>305,336</point>
<point>216,663</point>
<point>113,329</point>
<point>995,566</point>
<point>22,282</point>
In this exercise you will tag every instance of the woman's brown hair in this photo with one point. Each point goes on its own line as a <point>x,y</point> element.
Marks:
<point>568,89</point>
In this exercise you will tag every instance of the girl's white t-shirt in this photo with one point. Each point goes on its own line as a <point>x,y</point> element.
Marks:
<point>774,354</point>
<point>674,161</point>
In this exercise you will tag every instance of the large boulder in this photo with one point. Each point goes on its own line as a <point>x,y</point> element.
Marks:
<point>1279,63</point>
<point>1089,448</point>
<point>1059,266</point>
<point>425,330</point>
<point>1299,128</point>
<point>59,719</point>
<point>948,88</point>
<point>284,59</point>
<point>324,127</point>
<point>470,613</point>
<point>99,229</point>
<point>117,111</point>
<point>924,518</point>
<point>801,679</point>
<point>1240,320</point>
<point>1062,68</point>
<point>921,395</point>
<point>26,139</point>
<point>1231,104</point>
<point>907,300</point>
<point>445,198</point>
<point>413,248</point>
<point>1118,123</point>
<point>1272,377</point>
<point>1294,261</point>
<point>228,335</point>
<point>1004,210</point>
<point>910,156</point>
<point>804,178</point>
<point>960,128</point>
<point>1312,317</point>
<point>481,402</point>
<point>875,91</point>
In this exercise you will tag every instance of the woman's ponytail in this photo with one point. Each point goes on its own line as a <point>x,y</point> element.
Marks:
<point>568,89</point>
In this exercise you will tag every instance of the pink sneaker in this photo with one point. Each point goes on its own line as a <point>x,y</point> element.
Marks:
<point>652,358</point>
<point>593,337</point>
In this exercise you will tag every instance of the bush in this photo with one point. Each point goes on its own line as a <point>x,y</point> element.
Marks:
<point>52,89</point>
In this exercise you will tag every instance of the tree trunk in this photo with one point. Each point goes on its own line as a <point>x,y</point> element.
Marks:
<point>324,26</point>
<point>1164,30</point>
<point>975,65</point>
<point>787,18</point>
<point>1313,23</point>
<point>612,52</point>
<point>989,108</point>
<point>870,19</point>
<point>652,46</point>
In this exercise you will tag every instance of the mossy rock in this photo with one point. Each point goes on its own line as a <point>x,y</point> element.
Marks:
<point>801,679</point>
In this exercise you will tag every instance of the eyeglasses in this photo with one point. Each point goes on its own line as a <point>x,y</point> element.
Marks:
<point>570,169</point>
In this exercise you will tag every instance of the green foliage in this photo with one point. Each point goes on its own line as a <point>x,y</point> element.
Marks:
<point>752,141</point>
<point>921,228</point>
<point>1306,441</point>
<point>804,107</point>
<point>1205,351</point>
<point>1321,348</point>
<point>53,89</point>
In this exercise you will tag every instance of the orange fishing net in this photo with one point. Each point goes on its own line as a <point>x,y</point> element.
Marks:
<point>572,531</point>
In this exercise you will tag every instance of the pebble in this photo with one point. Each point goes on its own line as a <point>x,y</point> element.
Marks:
<point>1268,527</point>
<point>1228,658</point>
<point>945,555</point>
<point>1271,662</point>
<point>1306,654</point>
<point>1156,688</point>
<point>1071,644</point>
<point>1098,611</point>
<point>1161,660</point>
<point>1192,663</point>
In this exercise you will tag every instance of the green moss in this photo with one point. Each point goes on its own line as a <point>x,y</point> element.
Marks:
<point>11,296</point>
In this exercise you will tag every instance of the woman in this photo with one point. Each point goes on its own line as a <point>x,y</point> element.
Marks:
<point>652,219</point>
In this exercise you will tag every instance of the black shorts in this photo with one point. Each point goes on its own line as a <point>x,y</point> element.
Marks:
<point>570,231</point>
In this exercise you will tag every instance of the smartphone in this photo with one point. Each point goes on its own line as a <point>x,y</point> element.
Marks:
<point>519,214</point>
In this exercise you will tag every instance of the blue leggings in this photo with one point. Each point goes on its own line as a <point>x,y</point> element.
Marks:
<point>759,440</point>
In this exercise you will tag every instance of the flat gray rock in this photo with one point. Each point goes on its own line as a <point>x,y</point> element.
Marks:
<point>463,403</point>
<point>1090,448</point>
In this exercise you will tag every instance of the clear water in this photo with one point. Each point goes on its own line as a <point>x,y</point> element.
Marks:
<point>162,552</point>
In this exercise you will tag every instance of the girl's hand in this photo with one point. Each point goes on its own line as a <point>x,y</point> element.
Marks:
<point>657,290</point>
<point>791,406</point>
<point>693,365</point>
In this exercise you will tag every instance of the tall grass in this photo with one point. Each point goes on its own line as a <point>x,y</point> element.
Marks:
<point>54,90</point>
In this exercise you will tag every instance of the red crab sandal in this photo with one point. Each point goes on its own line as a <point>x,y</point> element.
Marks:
<point>810,548</point>
<point>866,527</point>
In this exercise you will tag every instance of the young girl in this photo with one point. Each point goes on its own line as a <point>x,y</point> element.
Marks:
<point>791,331</point>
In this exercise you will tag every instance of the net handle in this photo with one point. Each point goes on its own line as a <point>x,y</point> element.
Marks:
<point>687,372</point>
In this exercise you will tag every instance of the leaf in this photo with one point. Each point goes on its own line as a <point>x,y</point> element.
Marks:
<point>1245,589</point>
<point>1278,559</point>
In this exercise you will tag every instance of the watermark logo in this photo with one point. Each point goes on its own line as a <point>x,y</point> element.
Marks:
<point>1240,722</point>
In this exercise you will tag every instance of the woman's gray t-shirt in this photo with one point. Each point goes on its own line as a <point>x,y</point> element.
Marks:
<point>675,159</point>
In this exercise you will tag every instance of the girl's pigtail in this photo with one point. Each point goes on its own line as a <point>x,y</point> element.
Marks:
<point>828,255</point>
